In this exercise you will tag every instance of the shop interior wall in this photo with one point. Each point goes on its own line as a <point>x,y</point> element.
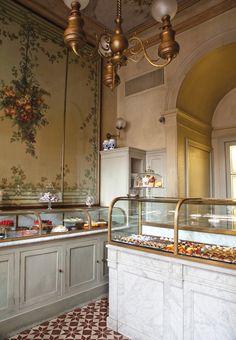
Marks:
<point>50,112</point>
<point>143,110</point>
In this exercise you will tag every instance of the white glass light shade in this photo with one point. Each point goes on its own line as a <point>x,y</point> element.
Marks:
<point>160,8</point>
<point>83,3</point>
<point>120,123</point>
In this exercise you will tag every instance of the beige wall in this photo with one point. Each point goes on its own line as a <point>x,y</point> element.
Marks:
<point>224,130</point>
<point>142,111</point>
<point>108,112</point>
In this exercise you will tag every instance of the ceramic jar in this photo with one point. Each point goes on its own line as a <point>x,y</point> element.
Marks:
<point>105,145</point>
<point>112,144</point>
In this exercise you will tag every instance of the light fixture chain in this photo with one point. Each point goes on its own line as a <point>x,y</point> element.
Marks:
<point>119,9</point>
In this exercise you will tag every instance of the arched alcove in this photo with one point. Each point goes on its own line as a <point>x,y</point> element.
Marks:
<point>209,80</point>
<point>204,86</point>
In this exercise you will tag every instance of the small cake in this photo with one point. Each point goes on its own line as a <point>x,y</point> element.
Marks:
<point>59,229</point>
<point>102,224</point>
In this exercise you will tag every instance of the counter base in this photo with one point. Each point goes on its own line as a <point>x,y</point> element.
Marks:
<point>29,319</point>
<point>154,297</point>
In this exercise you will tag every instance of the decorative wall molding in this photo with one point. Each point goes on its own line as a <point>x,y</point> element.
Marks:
<point>194,123</point>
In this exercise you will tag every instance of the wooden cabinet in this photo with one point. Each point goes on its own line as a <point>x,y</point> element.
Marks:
<point>82,260</point>
<point>44,279</point>
<point>40,275</point>
<point>7,298</point>
<point>118,167</point>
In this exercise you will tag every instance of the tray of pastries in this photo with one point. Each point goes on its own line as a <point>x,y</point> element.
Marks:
<point>195,249</point>
<point>6,223</point>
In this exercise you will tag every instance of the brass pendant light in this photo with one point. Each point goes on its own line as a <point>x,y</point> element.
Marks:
<point>116,49</point>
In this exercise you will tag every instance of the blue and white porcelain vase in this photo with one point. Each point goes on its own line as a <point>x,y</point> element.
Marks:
<point>105,145</point>
<point>112,144</point>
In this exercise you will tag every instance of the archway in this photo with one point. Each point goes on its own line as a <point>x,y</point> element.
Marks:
<point>203,87</point>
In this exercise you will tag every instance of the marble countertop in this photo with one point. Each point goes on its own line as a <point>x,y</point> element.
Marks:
<point>50,237</point>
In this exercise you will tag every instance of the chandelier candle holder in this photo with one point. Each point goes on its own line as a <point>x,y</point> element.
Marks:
<point>116,49</point>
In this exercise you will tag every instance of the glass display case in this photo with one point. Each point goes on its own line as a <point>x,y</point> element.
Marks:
<point>17,224</point>
<point>197,229</point>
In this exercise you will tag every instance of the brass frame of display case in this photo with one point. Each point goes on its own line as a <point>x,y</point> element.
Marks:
<point>180,202</point>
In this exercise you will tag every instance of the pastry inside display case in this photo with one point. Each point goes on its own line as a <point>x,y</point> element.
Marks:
<point>200,228</point>
<point>18,224</point>
<point>148,179</point>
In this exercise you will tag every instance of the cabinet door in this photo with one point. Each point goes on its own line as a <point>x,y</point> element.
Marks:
<point>6,284</point>
<point>40,275</point>
<point>104,254</point>
<point>82,265</point>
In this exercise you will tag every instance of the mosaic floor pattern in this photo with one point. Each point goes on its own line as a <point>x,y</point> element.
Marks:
<point>85,323</point>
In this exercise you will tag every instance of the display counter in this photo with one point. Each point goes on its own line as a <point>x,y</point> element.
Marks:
<point>202,230</point>
<point>50,261</point>
<point>172,269</point>
<point>27,224</point>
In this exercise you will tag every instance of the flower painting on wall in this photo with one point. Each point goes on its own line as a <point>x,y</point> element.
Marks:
<point>49,111</point>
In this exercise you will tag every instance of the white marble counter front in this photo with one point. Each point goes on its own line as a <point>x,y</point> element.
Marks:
<point>51,237</point>
<point>154,297</point>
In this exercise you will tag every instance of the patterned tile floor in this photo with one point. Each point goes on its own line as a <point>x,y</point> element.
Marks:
<point>85,323</point>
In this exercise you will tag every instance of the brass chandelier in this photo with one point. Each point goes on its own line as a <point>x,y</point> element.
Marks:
<point>116,49</point>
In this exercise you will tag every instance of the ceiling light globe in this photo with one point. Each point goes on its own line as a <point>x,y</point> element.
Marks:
<point>160,8</point>
<point>83,3</point>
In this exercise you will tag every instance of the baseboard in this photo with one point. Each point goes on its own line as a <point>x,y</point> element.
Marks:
<point>25,320</point>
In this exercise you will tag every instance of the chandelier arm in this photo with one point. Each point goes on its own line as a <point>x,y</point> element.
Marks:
<point>168,61</point>
<point>133,60</point>
<point>153,62</point>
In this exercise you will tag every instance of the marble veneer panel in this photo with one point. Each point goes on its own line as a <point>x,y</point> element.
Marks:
<point>155,297</point>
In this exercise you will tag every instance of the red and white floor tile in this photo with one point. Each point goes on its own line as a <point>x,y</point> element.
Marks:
<point>85,323</point>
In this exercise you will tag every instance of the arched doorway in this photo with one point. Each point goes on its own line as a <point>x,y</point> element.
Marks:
<point>203,87</point>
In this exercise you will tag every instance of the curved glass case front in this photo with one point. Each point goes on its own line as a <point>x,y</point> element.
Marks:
<point>207,229</point>
<point>200,229</point>
<point>17,224</point>
<point>149,223</point>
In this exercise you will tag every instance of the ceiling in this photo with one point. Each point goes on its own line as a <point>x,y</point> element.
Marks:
<point>100,14</point>
<point>209,80</point>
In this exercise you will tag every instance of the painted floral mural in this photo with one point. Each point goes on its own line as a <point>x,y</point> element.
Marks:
<point>49,111</point>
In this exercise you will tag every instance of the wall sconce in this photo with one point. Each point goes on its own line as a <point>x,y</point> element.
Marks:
<point>120,125</point>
